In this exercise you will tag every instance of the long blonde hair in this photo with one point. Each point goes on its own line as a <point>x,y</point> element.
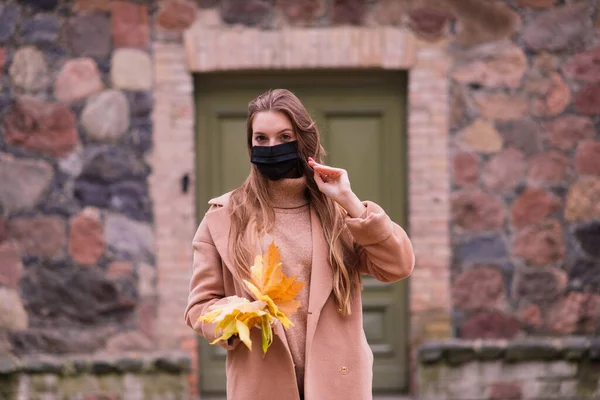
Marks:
<point>252,212</point>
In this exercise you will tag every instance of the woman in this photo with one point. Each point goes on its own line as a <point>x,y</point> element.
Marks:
<point>327,238</point>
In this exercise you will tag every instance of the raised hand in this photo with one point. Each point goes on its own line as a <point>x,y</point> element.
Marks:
<point>335,184</point>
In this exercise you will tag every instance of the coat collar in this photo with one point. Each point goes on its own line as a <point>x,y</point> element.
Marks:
<point>321,279</point>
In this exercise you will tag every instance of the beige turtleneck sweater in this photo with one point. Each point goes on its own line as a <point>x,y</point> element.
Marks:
<point>292,234</point>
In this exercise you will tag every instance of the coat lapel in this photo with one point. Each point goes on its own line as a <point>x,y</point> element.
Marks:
<point>321,278</point>
<point>219,223</point>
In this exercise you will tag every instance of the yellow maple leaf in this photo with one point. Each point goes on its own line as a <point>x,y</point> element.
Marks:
<point>275,295</point>
<point>236,315</point>
<point>268,283</point>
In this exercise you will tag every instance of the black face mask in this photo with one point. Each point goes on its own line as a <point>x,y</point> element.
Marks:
<point>275,162</point>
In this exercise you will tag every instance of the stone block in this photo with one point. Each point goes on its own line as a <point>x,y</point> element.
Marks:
<point>127,342</point>
<point>9,18</point>
<point>533,206</point>
<point>130,26</point>
<point>560,370</point>
<point>77,79</point>
<point>18,193</point>
<point>504,171</point>
<point>465,168</point>
<point>587,157</point>
<point>572,20</point>
<point>107,164</point>
<point>539,285</point>
<point>40,5</point>
<point>29,70</point>
<point>131,69</point>
<point>583,200</point>
<point>588,237</point>
<point>86,237</point>
<point>566,131</point>
<point>94,301</point>
<point>540,244</point>
<point>538,389</point>
<point>178,15</point>
<point>587,100</point>
<point>506,390</point>
<point>12,312</point>
<point>11,267</point>
<point>40,29</point>
<point>106,116</point>
<point>500,106</point>
<point>490,325</point>
<point>88,35</point>
<point>491,288</point>
<point>481,136</point>
<point>128,238</point>
<point>584,66</point>
<point>481,249</point>
<point>575,313</point>
<point>524,135</point>
<point>476,211</point>
<point>548,168</point>
<point>481,21</point>
<point>131,198</point>
<point>429,22</point>
<point>536,4</point>
<point>549,96</point>
<point>306,12</point>
<point>40,236</point>
<point>526,371</point>
<point>43,127</point>
<point>493,65</point>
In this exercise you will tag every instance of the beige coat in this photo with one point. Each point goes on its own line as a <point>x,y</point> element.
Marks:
<point>338,359</point>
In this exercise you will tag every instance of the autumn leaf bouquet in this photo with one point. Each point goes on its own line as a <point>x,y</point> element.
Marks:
<point>274,300</point>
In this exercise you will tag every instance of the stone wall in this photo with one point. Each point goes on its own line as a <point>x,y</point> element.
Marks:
<point>76,226</point>
<point>567,369</point>
<point>127,376</point>
<point>526,174</point>
<point>97,160</point>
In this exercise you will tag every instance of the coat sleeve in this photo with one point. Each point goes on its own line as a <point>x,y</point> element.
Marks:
<point>206,285</point>
<point>386,251</point>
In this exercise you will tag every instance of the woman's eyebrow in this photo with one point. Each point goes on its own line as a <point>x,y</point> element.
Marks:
<point>281,131</point>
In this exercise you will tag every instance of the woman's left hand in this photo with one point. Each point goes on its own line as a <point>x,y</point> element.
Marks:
<point>335,184</point>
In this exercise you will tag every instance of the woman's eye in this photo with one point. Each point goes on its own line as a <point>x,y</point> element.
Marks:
<point>285,136</point>
<point>259,138</point>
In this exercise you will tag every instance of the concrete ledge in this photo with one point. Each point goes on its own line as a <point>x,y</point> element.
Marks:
<point>456,352</point>
<point>165,362</point>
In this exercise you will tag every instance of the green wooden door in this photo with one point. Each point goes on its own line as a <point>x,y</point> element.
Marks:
<point>361,117</point>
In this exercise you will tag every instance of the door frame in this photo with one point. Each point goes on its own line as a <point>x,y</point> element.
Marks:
<point>209,45</point>
<point>393,82</point>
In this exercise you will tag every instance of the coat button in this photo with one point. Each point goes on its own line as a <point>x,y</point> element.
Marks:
<point>344,370</point>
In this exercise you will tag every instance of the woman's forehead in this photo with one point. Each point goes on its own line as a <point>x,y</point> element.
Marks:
<point>270,122</point>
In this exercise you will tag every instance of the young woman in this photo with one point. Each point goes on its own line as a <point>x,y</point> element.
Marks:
<point>327,238</point>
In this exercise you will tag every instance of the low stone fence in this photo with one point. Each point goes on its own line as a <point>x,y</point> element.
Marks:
<point>567,368</point>
<point>126,377</point>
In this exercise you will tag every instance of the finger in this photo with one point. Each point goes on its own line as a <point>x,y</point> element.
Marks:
<point>329,175</point>
<point>328,170</point>
<point>318,179</point>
